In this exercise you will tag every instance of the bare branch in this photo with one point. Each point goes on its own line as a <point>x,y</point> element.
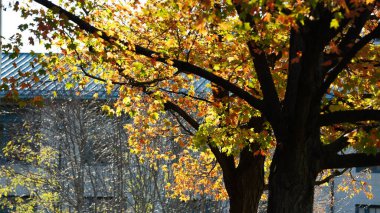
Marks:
<point>98,78</point>
<point>93,76</point>
<point>335,173</point>
<point>129,81</point>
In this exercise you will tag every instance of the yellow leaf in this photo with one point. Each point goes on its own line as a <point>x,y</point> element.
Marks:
<point>217,67</point>
<point>334,23</point>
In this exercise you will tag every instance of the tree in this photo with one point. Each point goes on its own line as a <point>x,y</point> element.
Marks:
<point>297,77</point>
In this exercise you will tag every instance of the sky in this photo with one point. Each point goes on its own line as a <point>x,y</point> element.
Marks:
<point>10,21</point>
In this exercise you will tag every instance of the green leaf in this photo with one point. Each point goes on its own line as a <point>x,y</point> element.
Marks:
<point>42,72</point>
<point>72,46</point>
<point>47,45</point>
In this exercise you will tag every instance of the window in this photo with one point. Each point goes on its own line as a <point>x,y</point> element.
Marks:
<point>367,208</point>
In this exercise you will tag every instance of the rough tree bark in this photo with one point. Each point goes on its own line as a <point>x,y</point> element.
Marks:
<point>295,163</point>
<point>292,181</point>
<point>244,183</point>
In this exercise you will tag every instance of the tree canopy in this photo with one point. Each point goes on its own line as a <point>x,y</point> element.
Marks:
<point>290,84</point>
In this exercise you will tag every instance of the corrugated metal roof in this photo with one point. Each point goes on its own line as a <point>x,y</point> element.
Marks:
<point>25,62</point>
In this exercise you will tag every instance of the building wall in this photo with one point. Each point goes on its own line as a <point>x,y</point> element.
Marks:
<point>349,201</point>
<point>349,204</point>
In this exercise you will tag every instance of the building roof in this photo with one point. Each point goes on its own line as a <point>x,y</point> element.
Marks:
<point>45,87</point>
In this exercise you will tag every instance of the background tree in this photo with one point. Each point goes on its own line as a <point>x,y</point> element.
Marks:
<point>297,77</point>
<point>69,156</point>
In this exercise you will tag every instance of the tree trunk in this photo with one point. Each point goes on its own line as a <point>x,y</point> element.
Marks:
<point>292,179</point>
<point>246,199</point>
<point>245,184</point>
<point>295,164</point>
<point>291,191</point>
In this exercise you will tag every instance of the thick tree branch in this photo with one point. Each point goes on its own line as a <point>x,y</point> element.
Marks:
<point>349,38</point>
<point>350,116</point>
<point>226,162</point>
<point>333,74</point>
<point>271,100</point>
<point>342,142</point>
<point>181,124</point>
<point>182,66</point>
<point>337,145</point>
<point>262,68</point>
<point>189,68</point>
<point>255,122</point>
<point>294,71</point>
<point>354,31</point>
<point>351,160</point>
<point>187,95</point>
<point>171,106</point>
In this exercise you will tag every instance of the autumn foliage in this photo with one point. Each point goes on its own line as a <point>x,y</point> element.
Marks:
<point>235,83</point>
